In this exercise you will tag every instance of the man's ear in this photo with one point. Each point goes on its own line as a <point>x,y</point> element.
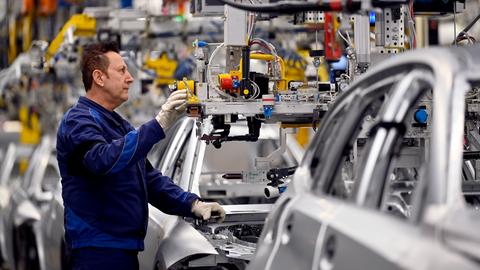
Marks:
<point>98,77</point>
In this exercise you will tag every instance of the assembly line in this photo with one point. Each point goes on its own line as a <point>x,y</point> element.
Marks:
<point>239,134</point>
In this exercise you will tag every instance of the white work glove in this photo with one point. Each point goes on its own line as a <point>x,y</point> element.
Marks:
<point>206,210</point>
<point>172,108</point>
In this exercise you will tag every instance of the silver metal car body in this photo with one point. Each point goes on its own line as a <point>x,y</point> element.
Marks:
<point>28,198</point>
<point>9,173</point>
<point>173,241</point>
<point>51,232</point>
<point>320,223</point>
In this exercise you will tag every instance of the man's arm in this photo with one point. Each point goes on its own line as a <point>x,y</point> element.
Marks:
<point>91,149</point>
<point>166,196</point>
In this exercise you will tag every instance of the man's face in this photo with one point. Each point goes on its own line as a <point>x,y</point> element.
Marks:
<point>118,81</point>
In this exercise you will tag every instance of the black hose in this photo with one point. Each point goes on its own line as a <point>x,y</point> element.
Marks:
<point>471,24</point>
<point>465,30</point>
<point>290,7</point>
<point>284,7</point>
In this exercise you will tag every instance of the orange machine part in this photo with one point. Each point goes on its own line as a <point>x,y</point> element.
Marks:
<point>48,7</point>
<point>28,6</point>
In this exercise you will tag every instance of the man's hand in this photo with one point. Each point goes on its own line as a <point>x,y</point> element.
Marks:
<point>205,210</point>
<point>172,109</point>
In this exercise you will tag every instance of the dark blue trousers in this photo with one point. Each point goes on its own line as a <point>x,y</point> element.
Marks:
<point>93,258</point>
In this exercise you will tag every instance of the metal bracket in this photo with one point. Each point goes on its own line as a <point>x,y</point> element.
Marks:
<point>263,163</point>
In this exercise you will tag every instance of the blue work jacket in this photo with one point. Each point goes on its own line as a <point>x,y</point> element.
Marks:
<point>107,181</point>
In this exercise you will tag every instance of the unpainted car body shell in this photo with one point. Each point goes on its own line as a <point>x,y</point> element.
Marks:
<point>180,239</point>
<point>310,229</point>
<point>24,209</point>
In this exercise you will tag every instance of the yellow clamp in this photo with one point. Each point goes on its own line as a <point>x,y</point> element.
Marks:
<point>189,85</point>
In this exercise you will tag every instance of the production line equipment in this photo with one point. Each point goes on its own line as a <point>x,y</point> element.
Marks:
<point>229,92</point>
<point>362,32</point>
<point>221,92</point>
<point>224,92</point>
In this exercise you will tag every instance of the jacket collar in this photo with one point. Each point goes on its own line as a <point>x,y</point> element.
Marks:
<point>112,116</point>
